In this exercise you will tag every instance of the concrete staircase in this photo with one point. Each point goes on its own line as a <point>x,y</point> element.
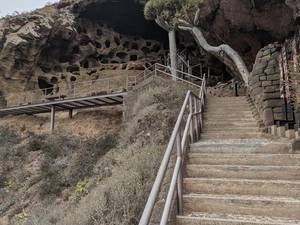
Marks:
<point>236,175</point>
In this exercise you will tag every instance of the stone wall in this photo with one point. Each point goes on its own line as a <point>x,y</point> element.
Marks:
<point>264,84</point>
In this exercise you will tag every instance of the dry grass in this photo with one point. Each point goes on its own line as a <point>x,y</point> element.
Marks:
<point>116,181</point>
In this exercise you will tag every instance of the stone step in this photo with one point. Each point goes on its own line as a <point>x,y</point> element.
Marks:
<point>225,99</point>
<point>230,129</point>
<point>278,207</point>
<point>244,172</point>
<point>230,113</point>
<point>213,124</point>
<point>229,135</point>
<point>261,146</point>
<point>220,186</point>
<point>227,107</point>
<point>197,218</point>
<point>238,122</point>
<point>244,159</point>
<point>228,117</point>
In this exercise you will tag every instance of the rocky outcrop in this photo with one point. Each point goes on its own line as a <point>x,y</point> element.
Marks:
<point>44,49</point>
<point>74,40</point>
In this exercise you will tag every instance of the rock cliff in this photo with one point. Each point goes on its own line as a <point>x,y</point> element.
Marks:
<point>74,40</point>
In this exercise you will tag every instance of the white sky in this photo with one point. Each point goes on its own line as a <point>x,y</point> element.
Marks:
<point>9,6</point>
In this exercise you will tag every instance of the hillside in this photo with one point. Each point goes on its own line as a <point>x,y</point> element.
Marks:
<point>76,175</point>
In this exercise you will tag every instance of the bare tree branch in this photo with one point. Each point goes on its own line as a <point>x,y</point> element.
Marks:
<point>197,17</point>
<point>162,23</point>
<point>184,23</point>
<point>185,28</point>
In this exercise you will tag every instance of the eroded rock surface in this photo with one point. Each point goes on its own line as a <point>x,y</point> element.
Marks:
<point>73,39</point>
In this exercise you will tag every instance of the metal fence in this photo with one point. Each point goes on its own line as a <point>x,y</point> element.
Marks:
<point>92,87</point>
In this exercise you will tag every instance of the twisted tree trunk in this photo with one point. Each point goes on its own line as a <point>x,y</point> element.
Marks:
<point>231,53</point>
<point>225,48</point>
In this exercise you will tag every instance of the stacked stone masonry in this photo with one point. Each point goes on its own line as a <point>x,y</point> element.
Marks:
<point>264,84</point>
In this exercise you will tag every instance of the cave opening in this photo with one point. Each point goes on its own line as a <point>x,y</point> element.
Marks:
<point>107,43</point>
<point>121,55</point>
<point>54,80</point>
<point>135,46</point>
<point>45,86</point>
<point>58,69</point>
<point>98,44</point>
<point>75,50</point>
<point>73,68</point>
<point>117,40</point>
<point>125,17</point>
<point>99,32</point>
<point>45,69</point>
<point>145,50</point>
<point>133,57</point>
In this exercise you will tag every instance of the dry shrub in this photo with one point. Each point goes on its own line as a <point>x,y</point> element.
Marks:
<point>123,177</point>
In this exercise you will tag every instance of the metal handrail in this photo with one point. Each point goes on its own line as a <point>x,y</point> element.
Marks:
<point>88,88</point>
<point>193,128</point>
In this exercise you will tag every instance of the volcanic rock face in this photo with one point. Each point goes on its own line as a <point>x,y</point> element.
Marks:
<point>248,25</point>
<point>74,39</point>
<point>44,49</point>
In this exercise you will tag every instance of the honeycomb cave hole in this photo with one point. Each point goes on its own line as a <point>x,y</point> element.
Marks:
<point>99,32</point>
<point>126,44</point>
<point>43,84</point>
<point>135,46</point>
<point>58,69</point>
<point>73,79</point>
<point>107,43</point>
<point>75,50</point>
<point>122,55</point>
<point>54,80</point>
<point>18,65</point>
<point>145,50</point>
<point>73,68</point>
<point>84,42</point>
<point>133,57</point>
<point>45,69</point>
<point>85,64</point>
<point>98,45</point>
<point>117,41</point>
<point>67,59</point>
<point>157,49</point>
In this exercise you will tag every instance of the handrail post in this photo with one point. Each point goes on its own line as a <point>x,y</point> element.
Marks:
<point>192,124</point>
<point>91,88</point>
<point>196,119</point>
<point>19,99</point>
<point>74,90</point>
<point>179,178</point>
<point>155,69</point>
